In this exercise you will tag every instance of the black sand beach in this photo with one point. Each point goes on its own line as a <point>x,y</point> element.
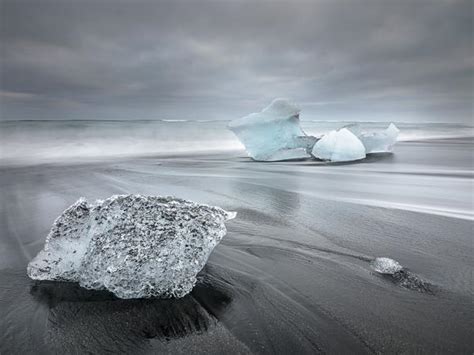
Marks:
<point>291,276</point>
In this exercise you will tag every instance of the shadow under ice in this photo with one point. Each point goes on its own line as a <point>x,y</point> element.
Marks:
<point>65,315</point>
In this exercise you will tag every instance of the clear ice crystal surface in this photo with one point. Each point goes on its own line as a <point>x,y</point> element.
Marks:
<point>274,133</point>
<point>134,246</point>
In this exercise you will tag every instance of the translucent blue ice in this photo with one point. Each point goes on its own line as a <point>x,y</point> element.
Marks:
<point>377,142</point>
<point>274,133</point>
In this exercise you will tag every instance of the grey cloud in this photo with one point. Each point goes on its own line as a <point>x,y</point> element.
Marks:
<point>366,59</point>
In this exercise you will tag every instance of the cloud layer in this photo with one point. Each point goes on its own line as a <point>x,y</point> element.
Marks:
<point>352,60</point>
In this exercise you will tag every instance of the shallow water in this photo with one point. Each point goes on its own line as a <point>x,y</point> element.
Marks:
<point>293,273</point>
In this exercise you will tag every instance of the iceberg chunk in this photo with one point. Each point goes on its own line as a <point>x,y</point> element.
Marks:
<point>387,266</point>
<point>134,246</point>
<point>274,133</point>
<point>377,142</point>
<point>339,146</point>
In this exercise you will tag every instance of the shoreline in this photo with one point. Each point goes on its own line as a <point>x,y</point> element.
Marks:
<point>293,272</point>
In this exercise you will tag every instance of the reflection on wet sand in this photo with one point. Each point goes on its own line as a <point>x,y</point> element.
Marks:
<point>96,320</point>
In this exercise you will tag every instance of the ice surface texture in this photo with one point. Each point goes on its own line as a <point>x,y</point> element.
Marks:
<point>384,265</point>
<point>377,142</point>
<point>134,246</point>
<point>339,146</point>
<point>274,133</point>
<point>351,143</point>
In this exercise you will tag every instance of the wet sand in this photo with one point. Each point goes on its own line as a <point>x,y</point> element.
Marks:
<point>291,276</point>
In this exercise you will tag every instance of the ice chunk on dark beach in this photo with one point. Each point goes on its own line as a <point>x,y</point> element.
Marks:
<point>134,246</point>
<point>376,142</point>
<point>387,266</point>
<point>350,143</point>
<point>274,133</point>
<point>339,146</point>
<point>399,275</point>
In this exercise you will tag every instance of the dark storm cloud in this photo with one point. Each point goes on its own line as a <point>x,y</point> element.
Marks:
<point>402,60</point>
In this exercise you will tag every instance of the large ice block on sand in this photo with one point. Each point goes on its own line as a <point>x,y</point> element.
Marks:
<point>134,246</point>
<point>274,133</point>
<point>376,142</point>
<point>339,146</point>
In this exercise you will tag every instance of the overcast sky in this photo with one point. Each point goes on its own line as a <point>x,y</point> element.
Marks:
<point>340,60</point>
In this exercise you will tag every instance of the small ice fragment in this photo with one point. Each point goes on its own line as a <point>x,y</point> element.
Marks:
<point>134,246</point>
<point>339,146</point>
<point>384,265</point>
<point>231,215</point>
<point>274,133</point>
